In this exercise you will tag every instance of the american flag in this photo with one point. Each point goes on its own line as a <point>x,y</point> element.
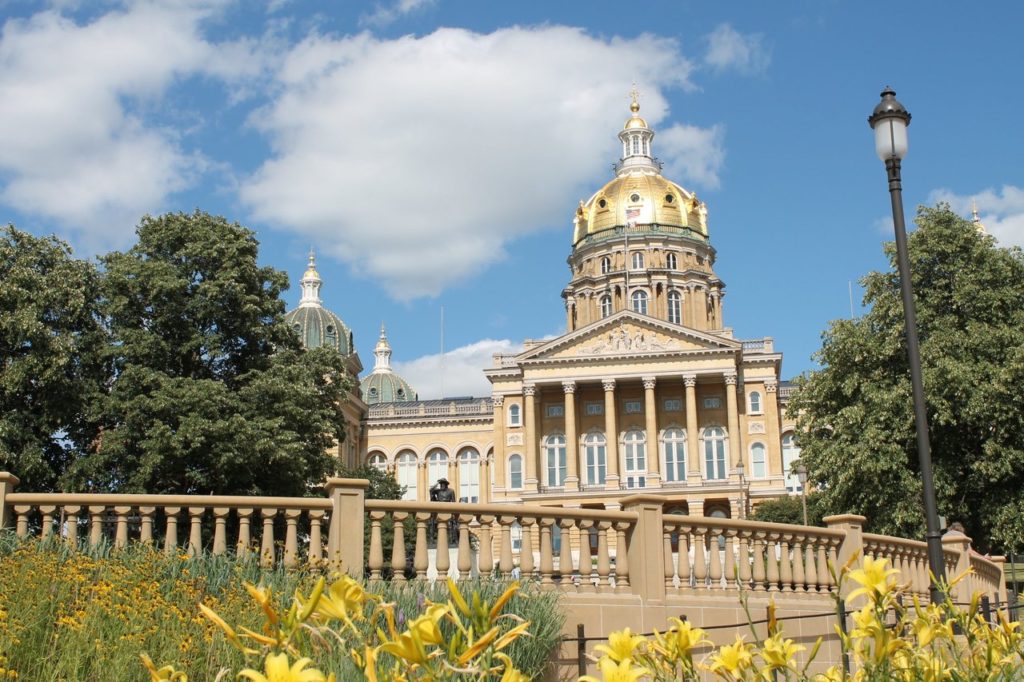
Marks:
<point>631,215</point>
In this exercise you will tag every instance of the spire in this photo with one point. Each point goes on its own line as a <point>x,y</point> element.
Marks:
<point>382,352</point>
<point>637,138</point>
<point>974,217</point>
<point>311,284</point>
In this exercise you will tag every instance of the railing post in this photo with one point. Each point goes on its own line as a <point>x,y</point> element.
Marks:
<point>345,534</point>
<point>646,547</point>
<point>8,482</point>
<point>852,545</point>
<point>960,543</point>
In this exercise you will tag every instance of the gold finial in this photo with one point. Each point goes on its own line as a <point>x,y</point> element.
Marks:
<point>635,96</point>
<point>312,257</point>
<point>383,334</point>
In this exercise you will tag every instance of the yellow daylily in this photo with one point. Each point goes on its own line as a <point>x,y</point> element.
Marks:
<point>343,601</point>
<point>680,640</point>
<point>277,670</point>
<point>621,671</point>
<point>164,674</point>
<point>622,645</point>
<point>833,674</point>
<point>875,579</point>
<point>264,597</point>
<point>732,660</point>
<point>779,653</point>
<point>411,645</point>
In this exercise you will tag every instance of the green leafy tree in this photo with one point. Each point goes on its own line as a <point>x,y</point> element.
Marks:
<point>210,391</point>
<point>789,509</point>
<point>856,416</point>
<point>50,354</point>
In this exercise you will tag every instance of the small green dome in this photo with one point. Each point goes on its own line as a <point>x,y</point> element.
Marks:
<point>382,385</point>
<point>316,325</point>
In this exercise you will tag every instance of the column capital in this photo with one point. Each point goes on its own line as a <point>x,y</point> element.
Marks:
<point>608,384</point>
<point>771,385</point>
<point>690,380</point>
<point>529,389</point>
<point>569,386</point>
<point>649,382</point>
<point>497,400</point>
<point>730,377</point>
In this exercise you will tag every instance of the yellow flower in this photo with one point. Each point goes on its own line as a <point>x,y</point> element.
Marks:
<point>278,670</point>
<point>167,672</point>
<point>611,671</point>
<point>680,640</point>
<point>833,674</point>
<point>343,600</point>
<point>732,660</point>
<point>780,653</point>
<point>621,645</point>
<point>411,645</point>
<point>874,578</point>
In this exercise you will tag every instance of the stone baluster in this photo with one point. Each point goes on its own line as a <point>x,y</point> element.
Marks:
<point>505,563</point>
<point>146,515</point>
<point>220,530</point>
<point>785,564</point>
<point>420,559</point>
<point>267,549</point>
<point>810,570</point>
<point>565,554</point>
<point>96,524</point>
<point>398,547</point>
<point>47,510</point>
<point>622,557</point>
<point>799,577</point>
<point>316,537</point>
<point>759,551</point>
<point>171,531</point>
<point>376,558</point>
<point>833,558</point>
<point>526,566</point>
<point>772,560</point>
<point>744,560</point>
<point>121,532</point>
<point>465,557</point>
<point>730,559</point>
<point>684,557</point>
<point>700,567</point>
<point>824,579</point>
<point>22,511</point>
<point>604,566</point>
<point>547,562</point>
<point>670,567</point>
<point>195,537</point>
<point>442,555</point>
<point>485,561</point>
<point>244,530</point>
<point>715,554</point>
<point>588,578</point>
<point>291,537</point>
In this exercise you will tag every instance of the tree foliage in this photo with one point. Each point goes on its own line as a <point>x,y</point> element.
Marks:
<point>856,415</point>
<point>789,509</point>
<point>50,360</point>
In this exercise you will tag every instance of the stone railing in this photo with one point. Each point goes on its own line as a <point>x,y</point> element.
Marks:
<point>638,552</point>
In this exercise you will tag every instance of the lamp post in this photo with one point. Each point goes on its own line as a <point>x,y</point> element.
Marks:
<point>743,498</point>
<point>801,474</point>
<point>889,121</point>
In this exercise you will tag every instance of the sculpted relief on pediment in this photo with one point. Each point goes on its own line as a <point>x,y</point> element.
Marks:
<point>627,339</point>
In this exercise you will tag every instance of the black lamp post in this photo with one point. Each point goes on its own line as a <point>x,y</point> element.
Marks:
<point>889,121</point>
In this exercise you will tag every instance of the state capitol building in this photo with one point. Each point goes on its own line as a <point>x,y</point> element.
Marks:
<point>646,390</point>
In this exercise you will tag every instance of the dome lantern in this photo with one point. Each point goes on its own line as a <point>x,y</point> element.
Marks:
<point>382,352</point>
<point>637,138</point>
<point>311,283</point>
<point>383,384</point>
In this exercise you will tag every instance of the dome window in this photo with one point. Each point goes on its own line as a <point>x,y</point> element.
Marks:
<point>669,199</point>
<point>602,203</point>
<point>297,327</point>
<point>401,393</point>
<point>638,260</point>
<point>606,265</point>
<point>373,391</point>
<point>670,261</point>
<point>330,329</point>
<point>634,197</point>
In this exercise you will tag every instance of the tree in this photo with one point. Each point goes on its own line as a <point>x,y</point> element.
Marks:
<point>210,390</point>
<point>855,414</point>
<point>50,354</point>
<point>789,509</point>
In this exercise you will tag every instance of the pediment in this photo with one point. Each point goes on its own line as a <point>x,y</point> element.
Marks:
<point>627,333</point>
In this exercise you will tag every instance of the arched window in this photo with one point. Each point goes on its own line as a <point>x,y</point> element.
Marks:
<point>790,453</point>
<point>670,261</point>
<point>554,460</point>
<point>596,458</point>
<point>377,461</point>
<point>714,453</point>
<point>755,402</point>
<point>515,472</point>
<point>675,307</point>
<point>636,144</point>
<point>469,475</point>
<point>514,418</point>
<point>437,466</point>
<point>638,260</point>
<point>606,305</point>
<point>634,445</point>
<point>673,444</point>
<point>757,461</point>
<point>606,265</point>
<point>405,473</point>
<point>640,302</point>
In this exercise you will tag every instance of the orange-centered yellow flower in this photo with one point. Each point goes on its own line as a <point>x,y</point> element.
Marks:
<point>277,670</point>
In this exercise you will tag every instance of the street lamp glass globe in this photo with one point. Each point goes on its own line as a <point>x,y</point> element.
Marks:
<point>891,138</point>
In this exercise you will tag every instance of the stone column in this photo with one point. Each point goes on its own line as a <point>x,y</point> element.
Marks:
<point>500,475</point>
<point>611,434</point>
<point>693,454</point>
<point>734,419</point>
<point>651,425</point>
<point>687,305</point>
<point>773,427</point>
<point>572,478</point>
<point>530,429</point>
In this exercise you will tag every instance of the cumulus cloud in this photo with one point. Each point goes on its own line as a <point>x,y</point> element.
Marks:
<point>884,226</point>
<point>695,153</point>
<point>75,145</point>
<point>385,14</point>
<point>1001,210</point>
<point>730,49</point>
<point>459,373</point>
<point>417,159</point>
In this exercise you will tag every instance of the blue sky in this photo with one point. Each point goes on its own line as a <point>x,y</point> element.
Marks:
<point>433,152</point>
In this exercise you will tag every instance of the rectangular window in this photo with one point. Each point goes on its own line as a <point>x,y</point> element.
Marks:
<point>712,403</point>
<point>673,404</point>
<point>556,410</point>
<point>594,409</point>
<point>633,406</point>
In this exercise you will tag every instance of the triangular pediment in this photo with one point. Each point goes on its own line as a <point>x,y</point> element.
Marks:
<point>627,333</point>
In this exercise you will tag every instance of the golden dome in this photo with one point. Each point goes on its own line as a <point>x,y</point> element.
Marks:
<point>634,122</point>
<point>641,198</point>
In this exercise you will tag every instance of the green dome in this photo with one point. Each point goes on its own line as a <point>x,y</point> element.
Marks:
<point>318,326</point>
<point>382,385</point>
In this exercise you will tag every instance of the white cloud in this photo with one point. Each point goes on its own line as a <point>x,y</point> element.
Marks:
<point>694,153</point>
<point>884,226</point>
<point>385,14</point>
<point>73,146</point>
<point>1000,211</point>
<point>417,159</point>
<point>459,373</point>
<point>730,49</point>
